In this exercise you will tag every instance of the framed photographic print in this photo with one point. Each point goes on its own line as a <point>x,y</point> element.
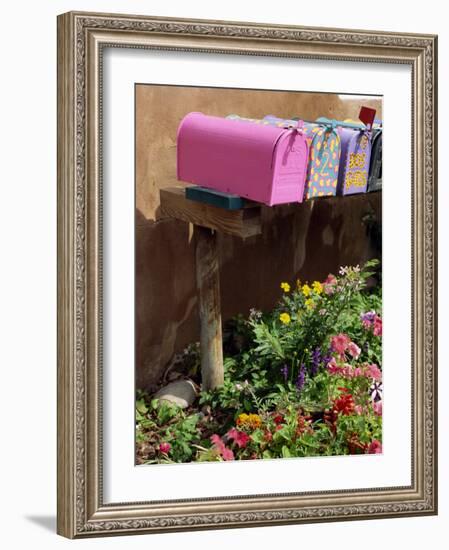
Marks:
<point>246,274</point>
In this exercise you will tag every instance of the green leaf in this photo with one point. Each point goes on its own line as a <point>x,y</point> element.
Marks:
<point>286,452</point>
<point>257,436</point>
<point>141,406</point>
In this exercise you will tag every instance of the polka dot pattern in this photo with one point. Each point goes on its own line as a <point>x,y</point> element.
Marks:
<point>324,159</point>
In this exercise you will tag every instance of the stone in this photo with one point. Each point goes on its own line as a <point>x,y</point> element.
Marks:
<point>182,393</point>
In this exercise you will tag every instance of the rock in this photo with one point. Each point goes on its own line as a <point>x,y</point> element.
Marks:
<point>181,393</point>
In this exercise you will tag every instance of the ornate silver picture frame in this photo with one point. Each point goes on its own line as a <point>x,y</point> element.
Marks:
<point>82,41</point>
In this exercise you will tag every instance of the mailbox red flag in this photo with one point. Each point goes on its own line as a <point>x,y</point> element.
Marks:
<point>367,116</point>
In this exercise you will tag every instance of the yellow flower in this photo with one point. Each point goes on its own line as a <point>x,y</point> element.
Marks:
<point>285,287</point>
<point>306,290</point>
<point>252,421</point>
<point>242,419</point>
<point>309,304</point>
<point>285,318</point>
<point>317,287</point>
<point>298,284</point>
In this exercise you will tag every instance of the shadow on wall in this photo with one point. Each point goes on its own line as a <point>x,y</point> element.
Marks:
<point>306,241</point>
<point>165,307</point>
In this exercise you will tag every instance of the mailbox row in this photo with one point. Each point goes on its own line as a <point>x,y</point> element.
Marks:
<point>277,161</point>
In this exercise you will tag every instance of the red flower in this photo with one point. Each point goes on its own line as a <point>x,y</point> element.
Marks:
<point>375,447</point>
<point>241,439</point>
<point>279,427</point>
<point>268,436</point>
<point>278,418</point>
<point>330,417</point>
<point>164,447</point>
<point>303,426</point>
<point>344,404</point>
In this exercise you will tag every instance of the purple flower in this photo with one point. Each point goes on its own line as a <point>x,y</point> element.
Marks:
<point>368,316</point>
<point>284,372</point>
<point>376,391</point>
<point>301,377</point>
<point>327,358</point>
<point>316,361</point>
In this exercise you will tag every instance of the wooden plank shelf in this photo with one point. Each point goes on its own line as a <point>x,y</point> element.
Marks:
<point>243,222</point>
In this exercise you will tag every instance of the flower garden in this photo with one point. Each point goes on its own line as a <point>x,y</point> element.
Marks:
<point>302,380</point>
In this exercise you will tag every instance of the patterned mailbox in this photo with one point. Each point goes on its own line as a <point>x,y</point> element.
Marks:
<point>355,156</point>
<point>263,163</point>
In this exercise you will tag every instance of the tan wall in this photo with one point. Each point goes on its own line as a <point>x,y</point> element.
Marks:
<point>306,241</point>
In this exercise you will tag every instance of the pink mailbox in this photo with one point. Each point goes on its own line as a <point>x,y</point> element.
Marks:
<point>262,163</point>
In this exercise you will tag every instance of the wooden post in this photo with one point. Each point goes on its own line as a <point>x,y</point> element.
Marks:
<point>207,221</point>
<point>208,284</point>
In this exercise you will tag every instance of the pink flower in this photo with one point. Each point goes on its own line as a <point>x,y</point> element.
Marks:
<point>329,284</point>
<point>164,447</point>
<point>377,408</point>
<point>373,371</point>
<point>332,367</point>
<point>370,320</point>
<point>221,448</point>
<point>358,409</point>
<point>347,371</point>
<point>241,439</point>
<point>375,447</point>
<point>354,350</point>
<point>358,372</point>
<point>377,326</point>
<point>227,454</point>
<point>339,370</point>
<point>339,343</point>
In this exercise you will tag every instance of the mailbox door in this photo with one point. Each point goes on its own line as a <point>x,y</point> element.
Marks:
<point>354,176</point>
<point>375,169</point>
<point>324,159</point>
<point>290,168</point>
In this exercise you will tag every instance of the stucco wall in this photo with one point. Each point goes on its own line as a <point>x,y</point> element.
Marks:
<point>306,241</point>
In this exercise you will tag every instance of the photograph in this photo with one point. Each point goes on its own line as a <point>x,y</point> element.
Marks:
<point>258,274</point>
<point>246,311</point>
